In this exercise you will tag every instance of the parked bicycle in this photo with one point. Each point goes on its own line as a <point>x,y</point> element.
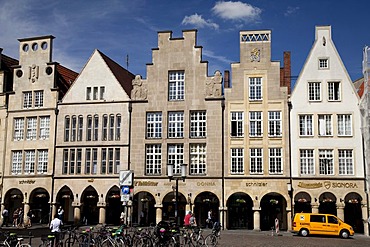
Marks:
<point>214,236</point>
<point>12,240</point>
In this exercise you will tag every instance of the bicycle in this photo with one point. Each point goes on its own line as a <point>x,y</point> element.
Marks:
<point>49,240</point>
<point>192,236</point>
<point>11,240</point>
<point>212,239</point>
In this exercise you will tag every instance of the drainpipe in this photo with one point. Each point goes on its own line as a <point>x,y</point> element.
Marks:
<point>223,162</point>
<point>365,180</point>
<point>53,173</point>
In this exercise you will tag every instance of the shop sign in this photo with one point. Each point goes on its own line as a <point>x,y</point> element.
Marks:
<point>328,185</point>
<point>29,181</point>
<point>256,184</point>
<point>146,183</point>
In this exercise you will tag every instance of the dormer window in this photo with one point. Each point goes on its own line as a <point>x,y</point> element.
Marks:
<point>323,63</point>
<point>95,93</point>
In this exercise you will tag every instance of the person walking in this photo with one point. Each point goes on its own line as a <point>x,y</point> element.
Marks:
<point>20,218</point>
<point>55,227</point>
<point>210,219</point>
<point>193,221</point>
<point>5,215</point>
<point>15,217</point>
<point>187,219</point>
<point>60,213</point>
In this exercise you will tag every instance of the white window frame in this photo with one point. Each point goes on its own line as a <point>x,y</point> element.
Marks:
<point>175,124</point>
<point>29,162</point>
<point>153,125</point>
<point>88,93</point>
<point>307,162</point>
<point>198,159</point>
<point>89,128</point>
<point>117,160</point>
<point>95,127</point>
<point>45,127</point>
<point>326,162</point>
<point>17,162</point>
<point>275,121</point>
<point>334,91</point>
<point>176,85</point>
<point>18,129</point>
<point>42,164</point>
<point>198,124</point>
<point>31,133</point>
<point>102,93</point>
<point>118,127</point>
<point>65,161</point>
<point>105,127</point>
<point>74,128</point>
<point>39,98</point>
<point>325,125</point>
<point>80,128</point>
<point>153,159</point>
<point>27,100</point>
<point>176,157</point>
<point>306,125</point>
<point>344,124</point>
<point>275,161</point>
<point>237,124</point>
<point>111,127</point>
<point>256,160</point>
<point>237,161</point>
<point>88,157</point>
<point>345,162</point>
<point>255,124</point>
<point>255,88</point>
<point>314,91</point>
<point>323,63</point>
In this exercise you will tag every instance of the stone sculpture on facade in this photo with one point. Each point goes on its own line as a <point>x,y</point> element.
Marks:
<point>139,91</point>
<point>214,85</point>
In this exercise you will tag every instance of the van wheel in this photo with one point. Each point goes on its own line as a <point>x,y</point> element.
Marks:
<point>344,234</point>
<point>303,232</point>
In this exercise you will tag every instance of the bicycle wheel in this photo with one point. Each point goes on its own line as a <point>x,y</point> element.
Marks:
<point>71,242</point>
<point>24,245</point>
<point>145,242</point>
<point>211,240</point>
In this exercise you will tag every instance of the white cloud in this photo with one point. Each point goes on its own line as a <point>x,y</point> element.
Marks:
<point>237,11</point>
<point>212,55</point>
<point>291,10</point>
<point>199,22</point>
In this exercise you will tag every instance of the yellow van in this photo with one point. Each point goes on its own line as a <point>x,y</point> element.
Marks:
<point>323,224</point>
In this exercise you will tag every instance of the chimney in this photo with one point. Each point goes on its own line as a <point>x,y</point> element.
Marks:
<point>227,79</point>
<point>285,72</point>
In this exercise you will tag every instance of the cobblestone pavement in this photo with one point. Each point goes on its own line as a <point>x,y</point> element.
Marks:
<point>245,238</point>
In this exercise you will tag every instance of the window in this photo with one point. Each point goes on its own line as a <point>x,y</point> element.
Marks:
<point>80,128</point>
<point>103,169</point>
<point>305,125</point>
<point>18,129</point>
<point>255,88</point>
<point>72,161</point>
<point>275,161</point>
<point>44,127</point>
<point>176,157</point>
<point>326,166</point>
<point>334,91</point>
<point>88,93</point>
<point>307,162</point>
<point>118,127</point>
<point>39,98</point>
<point>314,91</point>
<point>95,93</point>
<point>274,123</point>
<point>79,161</point>
<point>237,124</point>
<point>117,160</point>
<point>94,161</point>
<point>256,161</point>
<point>73,129</point>
<point>154,125</point>
<point>110,161</point>
<point>96,128</point>
<point>27,99</point>
<point>29,164</point>
<point>255,123</point>
<point>17,162</point>
<point>345,125</point>
<point>323,63</point>
<point>198,159</point>
<point>105,128</point>
<point>111,127</point>
<point>198,124</point>
<point>31,128</point>
<point>175,124</point>
<point>42,165</point>
<point>332,219</point>
<point>153,159</point>
<point>102,93</point>
<point>65,161</point>
<point>67,122</point>
<point>237,161</point>
<point>89,128</point>
<point>325,125</point>
<point>88,161</point>
<point>345,162</point>
<point>176,85</point>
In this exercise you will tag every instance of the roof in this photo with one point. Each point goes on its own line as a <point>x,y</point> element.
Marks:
<point>359,86</point>
<point>65,79</point>
<point>123,76</point>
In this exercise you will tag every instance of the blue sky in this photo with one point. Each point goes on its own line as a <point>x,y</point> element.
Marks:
<point>129,27</point>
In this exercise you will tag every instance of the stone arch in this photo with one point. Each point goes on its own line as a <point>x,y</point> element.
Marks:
<point>13,199</point>
<point>327,202</point>
<point>203,202</point>
<point>353,211</point>
<point>168,212</point>
<point>64,199</point>
<point>90,212</point>
<point>144,212</point>
<point>302,202</point>
<point>273,205</point>
<point>113,205</point>
<point>239,211</point>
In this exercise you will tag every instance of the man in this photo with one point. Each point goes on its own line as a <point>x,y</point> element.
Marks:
<point>187,219</point>
<point>5,214</point>
<point>60,213</point>
<point>55,226</point>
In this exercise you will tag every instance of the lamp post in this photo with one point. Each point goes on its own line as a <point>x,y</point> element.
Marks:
<point>176,178</point>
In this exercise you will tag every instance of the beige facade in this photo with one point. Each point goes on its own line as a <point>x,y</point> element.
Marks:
<point>178,121</point>
<point>257,138</point>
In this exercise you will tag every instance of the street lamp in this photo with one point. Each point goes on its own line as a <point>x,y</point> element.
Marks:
<point>177,178</point>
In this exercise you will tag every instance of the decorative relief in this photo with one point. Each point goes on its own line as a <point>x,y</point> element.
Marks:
<point>213,85</point>
<point>255,55</point>
<point>139,91</point>
<point>33,73</point>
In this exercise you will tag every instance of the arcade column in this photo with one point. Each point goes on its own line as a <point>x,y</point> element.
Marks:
<point>315,207</point>
<point>102,209</point>
<point>289,218</point>
<point>158,212</point>
<point>77,212</point>
<point>256,219</point>
<point>340,210</point>
<point>366,223</point>
<point>223,212</point>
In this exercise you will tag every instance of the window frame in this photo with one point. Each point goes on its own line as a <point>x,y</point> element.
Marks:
<point>198,124</point>
<point>176,124</point>
<point>236,124</point>
<point>255,88</point>
<point>176,85</point>
<point>198,158</point>
<point>237,161</point>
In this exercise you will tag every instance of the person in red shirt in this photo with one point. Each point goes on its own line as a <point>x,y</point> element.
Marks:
<point>187,219</point>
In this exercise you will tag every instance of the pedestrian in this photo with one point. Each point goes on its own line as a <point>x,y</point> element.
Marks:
<point>55,227</point>
<point>187,219</point>
<point>20,217</point>
<point>142,215</point>
<point>210,219</point>
<point>5,215</point>
<point>60,213</point>
<point>193,221</point>
<point>15,217</point>
<point>30,215</point>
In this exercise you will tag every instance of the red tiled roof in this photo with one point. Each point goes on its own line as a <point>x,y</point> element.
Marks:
<point>65,79</point>
<point>124,76</point>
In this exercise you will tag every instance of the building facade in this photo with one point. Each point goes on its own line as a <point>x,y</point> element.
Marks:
<point>326,151</point>
<point>257,168</point>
